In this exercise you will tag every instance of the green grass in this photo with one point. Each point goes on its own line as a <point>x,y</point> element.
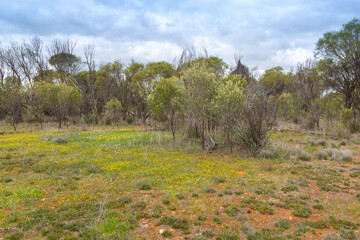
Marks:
<point>120,183</point>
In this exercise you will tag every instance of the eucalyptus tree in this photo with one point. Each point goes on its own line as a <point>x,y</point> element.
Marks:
<point>12,99</point>
<point>142,85</point>
<point>339,52</point>
<point>166,102</point>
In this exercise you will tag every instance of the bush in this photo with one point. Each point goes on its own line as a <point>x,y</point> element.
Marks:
<point>302,211</point>
<point>258,118</point>
<point>176,223</point>
<point>129,120</point>
<point>166,233</point>
<point>90,119</point>
<point>283,224</point>
<point>348,120</point>
<point>322,155</point>
<point>340,155</point>
<point>144,186</point>
<point>304,157</point>
<point>112,111</point>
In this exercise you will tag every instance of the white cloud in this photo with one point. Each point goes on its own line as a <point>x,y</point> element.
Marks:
<point>265,33</point>
<point>290,57</point>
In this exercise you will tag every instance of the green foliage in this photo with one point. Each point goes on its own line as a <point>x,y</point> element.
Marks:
<point>283,224</point>
<point>208,234</point>
<point>230,94</point>
<point>302,211</point>
<point>304,157</point>
<point>318,206</point>
<point>166,100</point>
<point>144,186</point>
<point>176,223</point>
<point>166,233</point>
<point>289,189</point>
<point>12,99</point>
<point>15,236</point>
<point>200,90</point>
<point>339,52</point>
<point>113,110</point>
<point>348,120</point>
<point>275,80</point>
<point>64,63</point>
<point>289,107</point>
<point>143,80</point>
<point>258,117</point>
<point>62,101</point>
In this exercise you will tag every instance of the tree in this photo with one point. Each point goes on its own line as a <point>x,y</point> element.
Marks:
<point>12,100</point>
<point>63,59</point>
<point>142,82</point>
<point>9,60</point>
<point>35,98</point>
<point>34,50</point>
<point>108,78</point>
<point>126,87</point>
<point>340,61</point>
<point>62,101</point>
<point>65,63</point>
<point>307,85</point>
<point>200,89</point>
<point>166,101</point>
<point>89,89</point>
<point>230,93</point>
<point>113,110</point>
<point>275,80</point>
<point>258,115</point>
<point>242,70</point>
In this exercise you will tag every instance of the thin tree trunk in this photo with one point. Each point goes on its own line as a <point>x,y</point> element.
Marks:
<point>13,123</point>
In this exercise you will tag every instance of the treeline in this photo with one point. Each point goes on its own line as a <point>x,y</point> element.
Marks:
<point>198,93</point>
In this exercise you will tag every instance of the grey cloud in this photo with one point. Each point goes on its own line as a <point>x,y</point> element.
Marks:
<point>257,29</point>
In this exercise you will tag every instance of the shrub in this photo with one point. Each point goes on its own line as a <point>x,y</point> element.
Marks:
<point>322,155</point>
<point>90,119</point>
<point>340,155</point>
<point>318,206</point>
<point>180,196</point>
<point>209,190</point>
<point>346,155</point>
<point>166,201</point>
<point>208,234</point>
<point>217,220</point>
<point>304,157</point>
<point>129,120</point>
<point>176,223</point>
<point>113,110</point>
<point>166,233</point>
<point>258,118</point>
<point>289,189</point>
<point>302,211</point>
<point>283,224</point>
<point>218,179</point>
<point>144,186</point>
<point>228,191</point>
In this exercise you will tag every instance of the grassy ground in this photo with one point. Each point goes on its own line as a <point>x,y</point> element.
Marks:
<point>131,184</point>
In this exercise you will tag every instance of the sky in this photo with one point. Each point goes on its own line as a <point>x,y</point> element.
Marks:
<point>263,33</point>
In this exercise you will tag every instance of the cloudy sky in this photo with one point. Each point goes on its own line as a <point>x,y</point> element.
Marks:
<point>264,33</point>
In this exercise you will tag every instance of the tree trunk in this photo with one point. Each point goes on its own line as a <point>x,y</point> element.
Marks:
<point>13,123</point>
<point>203,134</point>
